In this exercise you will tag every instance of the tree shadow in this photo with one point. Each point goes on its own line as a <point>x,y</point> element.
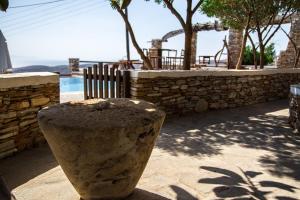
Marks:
<point>233,185</point>
<point>22,167</point>
<point>182,194</point>
<point>251,127</point>
<point>139,194</point>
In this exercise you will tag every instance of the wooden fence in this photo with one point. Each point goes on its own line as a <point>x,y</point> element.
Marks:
<point>103,81</point>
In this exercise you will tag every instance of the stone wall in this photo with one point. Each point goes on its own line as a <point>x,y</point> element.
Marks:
<point>287,57</point>
<point>21,97</point>
<point>294,108</point>
<point>179,92</point>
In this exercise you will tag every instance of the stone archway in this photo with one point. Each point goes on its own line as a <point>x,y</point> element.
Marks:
<point>287,58</point>
<point>235,41</point>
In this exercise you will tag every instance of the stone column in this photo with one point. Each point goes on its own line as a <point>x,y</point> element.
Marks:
<point>155,53</point>
<point>287,58</point>
<point>74,64</point>
<point>194,48</point>
<point>235,46</point>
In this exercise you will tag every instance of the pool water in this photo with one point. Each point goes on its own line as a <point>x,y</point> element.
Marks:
<point>71,84</point>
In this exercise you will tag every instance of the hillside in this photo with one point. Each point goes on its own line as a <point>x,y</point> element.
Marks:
<point>62,69</point>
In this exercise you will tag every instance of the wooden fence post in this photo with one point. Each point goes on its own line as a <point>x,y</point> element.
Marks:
<point>95,77</point>
<point>90,83</point>
<point>85,84</point>
<point>101,80</point>
<point>126,82</point>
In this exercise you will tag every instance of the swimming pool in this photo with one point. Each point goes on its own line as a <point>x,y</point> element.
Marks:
<point>71,84</point>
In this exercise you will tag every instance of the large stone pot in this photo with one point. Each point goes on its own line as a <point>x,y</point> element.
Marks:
<point>103,146</point>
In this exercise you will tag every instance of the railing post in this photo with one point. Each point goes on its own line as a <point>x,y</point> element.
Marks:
<point>106,81</point>
<point>118,84</point>
<point>112,82</point>
<point>101,80</point>
<point>85,84</point>
<point>90,83</point>
<point>126,83</point>
<point>95,77</point>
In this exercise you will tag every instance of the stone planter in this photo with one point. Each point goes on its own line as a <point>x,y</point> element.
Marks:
<point>102,146</point>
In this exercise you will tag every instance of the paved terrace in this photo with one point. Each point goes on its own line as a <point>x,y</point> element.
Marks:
<point>244,153</point>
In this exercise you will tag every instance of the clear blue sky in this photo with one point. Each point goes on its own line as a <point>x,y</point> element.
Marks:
<point>91,30</point>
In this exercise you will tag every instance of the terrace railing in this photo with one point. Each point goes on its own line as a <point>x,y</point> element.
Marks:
<point>104,81</point>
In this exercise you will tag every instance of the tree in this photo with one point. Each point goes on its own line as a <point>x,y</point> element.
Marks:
<point>235,14</point>
<point>268,17</point>
<point>264,17</point>
<point>4,5</point>
<point>187,25</point>
<point>119,6</point>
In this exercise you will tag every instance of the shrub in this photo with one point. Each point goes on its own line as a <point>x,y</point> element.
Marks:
<point>268,57</point>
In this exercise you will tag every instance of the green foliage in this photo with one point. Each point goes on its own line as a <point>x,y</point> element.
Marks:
<point>269,55</point>
<point>234,13</point>
<point>119,3</point>
<point>4,5</point>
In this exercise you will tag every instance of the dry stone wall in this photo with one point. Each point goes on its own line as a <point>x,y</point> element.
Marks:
<point>181,92</point>
<point>21,97</point>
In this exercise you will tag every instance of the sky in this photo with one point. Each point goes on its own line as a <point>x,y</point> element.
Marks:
<point>92,30</point>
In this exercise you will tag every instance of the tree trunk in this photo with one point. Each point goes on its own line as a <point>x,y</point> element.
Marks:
<point>241,57</point>
<point>188,37</point>
<point>127,38</point>
<point>254,57</point>
<point>245,37</point>
<point>261,48</point>
<point>262,57</point>
<point>188,50</point>
<point>146,60</point>
<point>253,51</point>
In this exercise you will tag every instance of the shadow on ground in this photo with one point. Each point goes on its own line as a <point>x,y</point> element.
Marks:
<point>251,127</point>
<point>182,194</point>
<point>139,194</point>
<point>235,186</point>
<point>26,165</point>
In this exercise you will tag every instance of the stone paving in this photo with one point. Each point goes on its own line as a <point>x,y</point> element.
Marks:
<point>244,153</point>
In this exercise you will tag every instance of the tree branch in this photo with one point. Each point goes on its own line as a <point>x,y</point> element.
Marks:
<point>133,39</point>
<point>269,23</point>
<point>268,32</point>
<point>285,16</point>
<point>197,7</point>
<point>253,50</point>
<point>175,12</point>
<point>297,50</point>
